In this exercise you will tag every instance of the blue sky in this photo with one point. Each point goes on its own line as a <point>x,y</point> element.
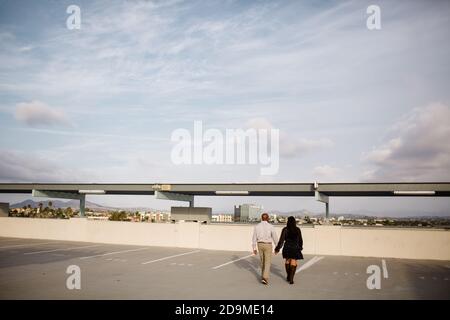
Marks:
<point>99,104</point>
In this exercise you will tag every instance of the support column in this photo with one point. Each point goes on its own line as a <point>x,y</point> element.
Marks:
<point>325,199</point>
<point>82,205</point>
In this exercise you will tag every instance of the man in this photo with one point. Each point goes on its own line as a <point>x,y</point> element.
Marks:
<point>263,236</point>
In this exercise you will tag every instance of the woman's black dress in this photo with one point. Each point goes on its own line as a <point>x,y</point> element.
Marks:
<point>293,244</point>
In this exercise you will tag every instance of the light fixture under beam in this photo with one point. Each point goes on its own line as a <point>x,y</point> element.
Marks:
<point>235,193</point>
<point>415,193</point>
<point>92,191</point>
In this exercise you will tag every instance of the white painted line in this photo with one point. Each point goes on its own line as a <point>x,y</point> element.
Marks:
<point>169,257</point>
<point>309,263</point>
<point>385,271</point>
<point>232,261</point>
<point>26,245</point>
<point>115,252</point>
<point>66,249</point>
<point>9,240</point>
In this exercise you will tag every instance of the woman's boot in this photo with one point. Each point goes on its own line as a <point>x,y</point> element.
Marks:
<point>288,270</point>
<point>292,274</point>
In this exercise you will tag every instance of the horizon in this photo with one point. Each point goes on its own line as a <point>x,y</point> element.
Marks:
<point>366,213</point>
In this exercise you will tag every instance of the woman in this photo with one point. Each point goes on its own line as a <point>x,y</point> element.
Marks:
<point>291,237</point>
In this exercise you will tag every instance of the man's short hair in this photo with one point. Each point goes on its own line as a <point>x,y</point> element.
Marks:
<point>266,215</point>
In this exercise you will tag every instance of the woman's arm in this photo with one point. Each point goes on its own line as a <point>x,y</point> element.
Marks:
<point>281,241</point>
<point>300,239</point>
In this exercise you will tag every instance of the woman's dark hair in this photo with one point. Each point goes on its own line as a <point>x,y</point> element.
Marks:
<point>292,225</point>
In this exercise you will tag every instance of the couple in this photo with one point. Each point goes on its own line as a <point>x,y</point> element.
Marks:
<point>291,237</point>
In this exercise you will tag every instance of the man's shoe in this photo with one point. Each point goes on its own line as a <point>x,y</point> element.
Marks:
<point>264,281</point>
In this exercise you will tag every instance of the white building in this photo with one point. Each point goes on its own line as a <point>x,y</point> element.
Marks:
<point>222,218</point>
<point>248,212</point>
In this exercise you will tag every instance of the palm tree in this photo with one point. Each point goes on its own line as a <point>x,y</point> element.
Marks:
<point>68,212</point>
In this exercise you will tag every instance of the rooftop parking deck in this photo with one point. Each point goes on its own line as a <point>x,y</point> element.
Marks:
<point>36,269</point>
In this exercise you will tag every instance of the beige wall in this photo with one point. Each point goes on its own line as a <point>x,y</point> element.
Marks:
<point>320,240</point>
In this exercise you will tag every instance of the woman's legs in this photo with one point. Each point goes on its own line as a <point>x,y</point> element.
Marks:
<point>292,270</point>
<point>287,265</point>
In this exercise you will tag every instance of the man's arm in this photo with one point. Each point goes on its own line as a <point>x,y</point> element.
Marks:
<point>254,240</point>
<point>281,241</point>
<point>274,235</point>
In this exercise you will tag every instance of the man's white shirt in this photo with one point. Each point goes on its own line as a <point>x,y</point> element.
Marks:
<point>264,232</point>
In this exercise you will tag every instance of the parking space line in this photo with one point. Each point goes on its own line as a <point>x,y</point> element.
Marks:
<point>232,261</point>
<point>310,262</point>
<point>385,271</point>
<point>9,240</point>
<point>63,249</point>
<point>26,245</point>
<point>169,257</point>
<point>115,252</point>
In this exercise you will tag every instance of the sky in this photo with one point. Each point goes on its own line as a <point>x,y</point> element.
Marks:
<point>100,103</point>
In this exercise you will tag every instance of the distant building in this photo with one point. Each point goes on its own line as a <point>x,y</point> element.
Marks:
<point>196,214</point>
<point>4,209</point>
<point>222,218</point>
<point>247,212</point>
<point>237,214</point>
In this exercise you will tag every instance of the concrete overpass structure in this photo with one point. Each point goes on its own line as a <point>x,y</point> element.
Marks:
<point>186,192</point>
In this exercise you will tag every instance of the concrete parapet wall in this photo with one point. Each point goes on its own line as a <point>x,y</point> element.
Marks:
<point>320,240</point>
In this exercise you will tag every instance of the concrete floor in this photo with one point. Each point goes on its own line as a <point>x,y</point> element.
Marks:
<point>36,269</point>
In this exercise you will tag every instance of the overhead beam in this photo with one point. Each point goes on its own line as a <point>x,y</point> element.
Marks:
<point>175,197</point>
<point>391,189</point>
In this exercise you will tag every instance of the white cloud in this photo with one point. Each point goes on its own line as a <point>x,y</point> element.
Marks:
<point>16,166</point>
<point>36,113</point>
<point>326,172</point>
<point>419,149</point>
<point>291,145</point>
<point>259,123</point>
